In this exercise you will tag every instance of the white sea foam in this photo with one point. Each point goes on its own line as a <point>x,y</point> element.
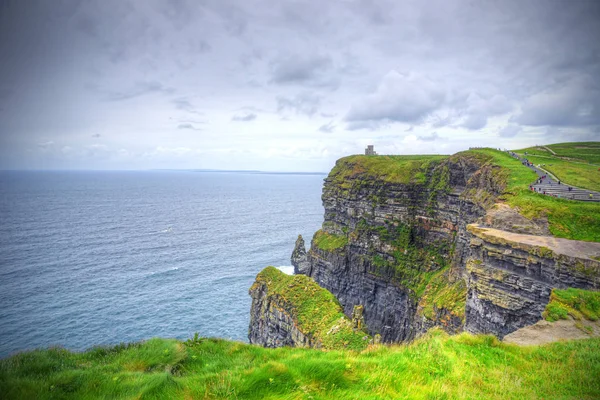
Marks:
<point>286,269</point>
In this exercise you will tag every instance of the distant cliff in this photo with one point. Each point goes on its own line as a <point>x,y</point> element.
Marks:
<point>405,239</point>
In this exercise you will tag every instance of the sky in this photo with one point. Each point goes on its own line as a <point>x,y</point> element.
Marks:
<point>289,85</point>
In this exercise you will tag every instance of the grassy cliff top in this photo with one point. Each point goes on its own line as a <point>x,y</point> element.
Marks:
<point>315,310</point>
<point>566,218</point>
<point>576,164</point>
<point>434,367</point>
<point>392,169</point>
<point>577,151</point>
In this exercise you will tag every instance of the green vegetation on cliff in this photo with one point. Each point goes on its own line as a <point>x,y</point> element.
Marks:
<point>566,218</point>
<point>575,303</point>
<point>329,241</point>
<point>434,367</point>
<point>391,169</point>
<point>316,311</point>
<point>443,293</point>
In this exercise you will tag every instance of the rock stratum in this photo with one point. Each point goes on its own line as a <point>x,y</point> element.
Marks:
<point>417,242</point>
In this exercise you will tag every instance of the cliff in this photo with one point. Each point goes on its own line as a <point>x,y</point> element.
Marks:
<point>397,240</point>
<point>295,311</point>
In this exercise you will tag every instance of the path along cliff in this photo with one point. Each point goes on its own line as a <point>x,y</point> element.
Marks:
<point>424,241</point>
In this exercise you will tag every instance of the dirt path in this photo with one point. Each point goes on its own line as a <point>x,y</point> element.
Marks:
<point>546,332</point>
<point>549,149</point>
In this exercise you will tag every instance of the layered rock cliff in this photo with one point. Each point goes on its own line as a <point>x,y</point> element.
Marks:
<point>511,276</point>
<point>396,241</point>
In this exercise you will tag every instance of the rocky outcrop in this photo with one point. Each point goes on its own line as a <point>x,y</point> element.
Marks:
<point>511,276</point>
<point>271,323</point>
<point>299,258</point>
<point>295,311</point>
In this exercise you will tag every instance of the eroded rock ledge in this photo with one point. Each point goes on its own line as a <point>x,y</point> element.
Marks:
<point>511,276</point>
<point>295,311</point>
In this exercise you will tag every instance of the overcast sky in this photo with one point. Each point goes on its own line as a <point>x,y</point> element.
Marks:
<point>289,85</point>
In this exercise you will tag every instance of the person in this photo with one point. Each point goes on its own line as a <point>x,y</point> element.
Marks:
<point>559,182</point>
<point>591,196</point>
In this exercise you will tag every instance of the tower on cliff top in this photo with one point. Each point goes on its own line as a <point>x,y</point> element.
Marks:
<point>369,151</point>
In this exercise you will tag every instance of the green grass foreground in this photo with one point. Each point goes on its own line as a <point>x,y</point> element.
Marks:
<point>434,367</point>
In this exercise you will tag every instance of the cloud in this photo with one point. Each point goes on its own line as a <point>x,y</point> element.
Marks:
<point>433,137</point>
<point>96,135</point>
<point>575,103</point>
<point>187,126</point>
<point>303,103</point>
<point>327,128</point>
<point>244,118</point>
<point>184,104</point>
<point>509,131</point>
<point>46,145</point>
<point>139,89</point>
<point>399,98</point>
<point>305,70</point>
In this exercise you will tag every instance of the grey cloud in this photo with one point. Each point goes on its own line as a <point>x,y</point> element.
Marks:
<point>475,122</point>
<point>409,129</point>
<point>45,145</point>
<point>185,105</point>
<point>188,126</point>
<point>399,98</point>
<point>327,128</point>
<point>139,89</point>
<point>244,118</point>
<point>575,103</point>
<point>96,135</point>
<point>433,137</point>
<point>303,103</point>
<point>367,125</point>
<point>510,130</point>
<point>303,69</point>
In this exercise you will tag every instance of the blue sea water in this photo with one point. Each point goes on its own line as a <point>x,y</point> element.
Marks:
<point>99,258</point>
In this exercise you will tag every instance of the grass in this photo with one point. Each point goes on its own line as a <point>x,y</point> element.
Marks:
<point>434,367</point>
<point>390,169</point>
<point>577,174</point>
<point>442,293</point>
<point>575,303</point>
<point>316,311</point>
<point>576,164</point>
<point>578,151</point>
<point>329,241</point>
<point>567,219</point>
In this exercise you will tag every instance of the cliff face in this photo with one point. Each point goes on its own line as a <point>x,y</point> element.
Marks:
<point>397,244</point>
<point>511,276</point>
<point>391,245</point>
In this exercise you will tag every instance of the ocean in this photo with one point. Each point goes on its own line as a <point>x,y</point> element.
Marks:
<point>99,258</point>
